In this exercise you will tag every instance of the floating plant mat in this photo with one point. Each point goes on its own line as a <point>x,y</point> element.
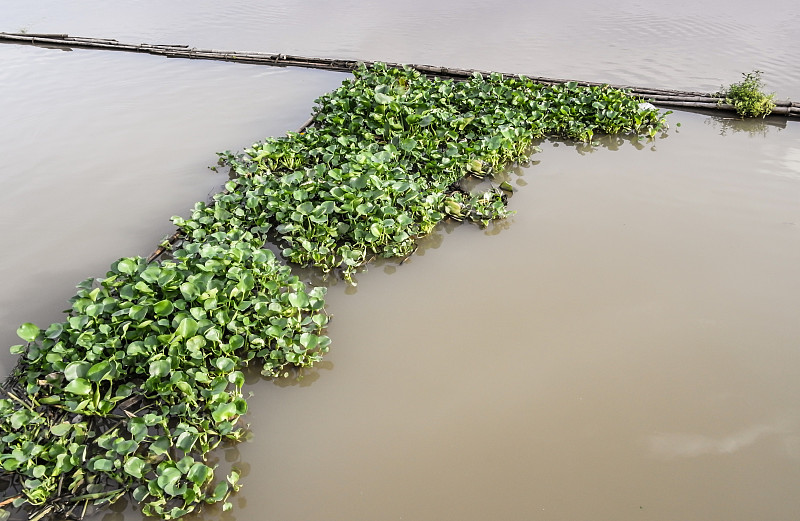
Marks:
<point>143,379</point>
<point>381,163</point>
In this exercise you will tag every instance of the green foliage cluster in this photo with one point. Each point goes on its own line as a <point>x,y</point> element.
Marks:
<point>381,164</point>
<point>748,97</point>
<point>144,378</point>
<point>131,392</point>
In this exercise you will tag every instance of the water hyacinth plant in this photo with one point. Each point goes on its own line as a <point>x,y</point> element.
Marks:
<point>143,379</point>
<point>381,164</point>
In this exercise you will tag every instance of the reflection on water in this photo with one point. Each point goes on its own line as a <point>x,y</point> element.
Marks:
<point>304,376</point>
<point>680,445</point>
<point>754,127</point>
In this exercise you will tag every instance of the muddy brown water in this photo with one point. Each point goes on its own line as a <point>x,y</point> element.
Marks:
<point>625,347</point>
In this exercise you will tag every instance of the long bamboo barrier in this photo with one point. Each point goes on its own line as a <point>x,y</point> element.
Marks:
<point>660,97</point>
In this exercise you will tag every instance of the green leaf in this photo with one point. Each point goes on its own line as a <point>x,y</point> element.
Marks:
<point>127,266</point>
<point>224,412</point>
<point>187,328</point>
<point>236,342</point>
<point>142,287</point>
<point>199,474</point>
<point>195,343</point>
<point>160,368</point>
<point>137,428</point>
<point>185,464</point>
<point>122,446</point>
<point>213,334</point>
<point>299,299</point>
<point>383,99</point>
<point>60,429</point>
<point>224,364</point>
<point>99,371</point>
<point>408,144</point>
<point>168,478</point>
<point>186,441</point>
<point>163,308</point>
<point>54,331</point>
<point>220,491</point>
<point>79,386</point>
<point>161,445</point>
<point>189,291</point>
<point>134,466</point>
<point>233,479</point>
<point>140,493</point>
<point>28,332</point>
<point>103,464</point>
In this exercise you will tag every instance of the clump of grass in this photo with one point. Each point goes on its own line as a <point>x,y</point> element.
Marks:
<point>748,97</point>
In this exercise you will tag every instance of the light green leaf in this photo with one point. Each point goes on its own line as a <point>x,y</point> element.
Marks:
<point>28,332</point>
<point>160,368</point>
<point>189,291</point>
<point>60,429</point>
<point>127,266</point>
<point>79,386</point>
<point>187,328</point>
<point>383,99</point>
<point>103,464</point>
<point>224,412</point>
<point>163,308</point>
<point>54,331</point>
<point>224,364</point>
<point>299,299</point>
<point>134,466</point>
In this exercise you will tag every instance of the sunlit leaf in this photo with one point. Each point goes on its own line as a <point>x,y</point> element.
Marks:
<point>28,332</point>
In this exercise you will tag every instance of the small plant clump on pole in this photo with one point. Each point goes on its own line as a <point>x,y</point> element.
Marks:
<point>132,391</point>
<point>748,97</point>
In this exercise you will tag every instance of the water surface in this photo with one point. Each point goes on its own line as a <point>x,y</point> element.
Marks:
<point>625,348</point>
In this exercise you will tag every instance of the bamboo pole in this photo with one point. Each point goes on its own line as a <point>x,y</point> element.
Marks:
<point>660,97</point>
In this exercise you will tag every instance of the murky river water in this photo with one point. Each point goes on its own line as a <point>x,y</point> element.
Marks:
<point>625,347</point>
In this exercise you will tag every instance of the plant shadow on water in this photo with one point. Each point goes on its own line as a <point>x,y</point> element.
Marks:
<point>754,127</point>
<point>611,142</point>
<point>299,376</point>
